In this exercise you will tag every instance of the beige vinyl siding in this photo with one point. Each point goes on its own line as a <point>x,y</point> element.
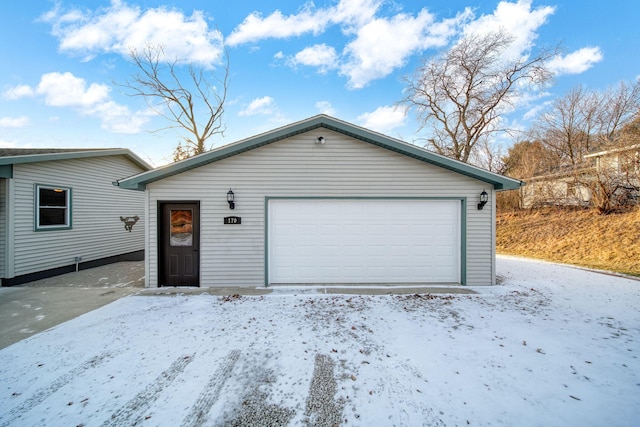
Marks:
<point>480,239</point>
<point>96,207</point>
<point>297,167</point>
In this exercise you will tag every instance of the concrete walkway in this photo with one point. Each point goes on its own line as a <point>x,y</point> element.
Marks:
<point>34,307</point>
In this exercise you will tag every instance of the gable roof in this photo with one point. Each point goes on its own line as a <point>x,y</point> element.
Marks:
<point>139,182</point>
<point>12,156</point>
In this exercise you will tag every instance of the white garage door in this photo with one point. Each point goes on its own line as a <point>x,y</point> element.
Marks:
<point>363,241</point>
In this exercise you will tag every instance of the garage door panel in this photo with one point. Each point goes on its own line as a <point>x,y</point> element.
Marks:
<point>363,241</point>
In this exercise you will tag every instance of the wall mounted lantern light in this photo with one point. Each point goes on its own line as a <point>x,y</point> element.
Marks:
<point>320,140</point>
<point>484,198</point>
<point>230,199</point>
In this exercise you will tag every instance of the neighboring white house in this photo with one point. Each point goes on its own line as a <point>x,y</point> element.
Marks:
<point>617,170</point>
<point>59,211</point>
<point>320,201</point>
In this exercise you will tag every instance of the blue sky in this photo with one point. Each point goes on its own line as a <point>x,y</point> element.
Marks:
<point>288,61</point>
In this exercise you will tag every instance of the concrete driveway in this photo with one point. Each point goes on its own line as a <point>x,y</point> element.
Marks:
<point>34,307</point>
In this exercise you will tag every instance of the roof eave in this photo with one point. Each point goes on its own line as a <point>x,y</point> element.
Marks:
<point>499,182</point>
<point>139,182</point>
<point>34,158</point>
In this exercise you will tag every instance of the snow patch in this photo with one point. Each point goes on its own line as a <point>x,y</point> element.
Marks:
<point>551,345</point>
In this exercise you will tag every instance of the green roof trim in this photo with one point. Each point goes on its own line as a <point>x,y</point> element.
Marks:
<point>17,156</point>
<point>6,171</point>
<point>139,182</point>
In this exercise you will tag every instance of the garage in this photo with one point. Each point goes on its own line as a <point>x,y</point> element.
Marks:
<point>344,241</point>
<point>323,201</point>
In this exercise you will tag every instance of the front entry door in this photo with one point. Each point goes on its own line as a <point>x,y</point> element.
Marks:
<point>179,262</point>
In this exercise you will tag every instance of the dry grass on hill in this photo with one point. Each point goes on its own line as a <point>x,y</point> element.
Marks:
<point>578,237</point>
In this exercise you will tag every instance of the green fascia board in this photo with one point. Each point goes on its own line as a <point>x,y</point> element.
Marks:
<point>139,182</point>
<point>6,171</point>
<point>80,154</point>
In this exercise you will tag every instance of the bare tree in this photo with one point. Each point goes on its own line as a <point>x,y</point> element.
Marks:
<point>620,110</point>
<point>525,160</point>
<point>617,170</point>
<point>583,121</point>
<point>191,101</point>
<point>594,135</point>
<point>461,95</point>
<point>615,181</point>
<point>567,128</point>
<point>630,133</point>
<point>489,155</point>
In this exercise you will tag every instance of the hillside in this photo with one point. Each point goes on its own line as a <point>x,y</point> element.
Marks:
<point>578,237</point>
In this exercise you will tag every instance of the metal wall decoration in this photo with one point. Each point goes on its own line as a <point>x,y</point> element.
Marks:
<point>129,222</point>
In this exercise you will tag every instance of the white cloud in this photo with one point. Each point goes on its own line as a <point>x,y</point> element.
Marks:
<point>321,56</point>
<point>325,107</point>
<point>576,62</point>
<point>380,44</point>
<point>18,92</point>
<point>67,90</point>
<point>118,118</point>
<point>517,19</point>
<point>14,122</point>
<point>255,27</point>
<point>534,111</point>
<point>383,119</point>
<point>7,144</point>
<point>120,28</point>
<point>351,14</point>
<point>384,44</point>
<point>263,106</point>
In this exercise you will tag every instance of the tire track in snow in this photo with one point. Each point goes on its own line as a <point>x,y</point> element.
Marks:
<point>210,394</point>
<point>133,411</point>
<point>56,385</point>
<point>322,407</point>
<point>254,408</point>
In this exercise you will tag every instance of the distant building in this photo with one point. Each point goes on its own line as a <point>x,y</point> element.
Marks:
<point>615,170</point>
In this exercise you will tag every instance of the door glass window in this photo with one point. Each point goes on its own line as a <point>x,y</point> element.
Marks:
<point>181,230</point>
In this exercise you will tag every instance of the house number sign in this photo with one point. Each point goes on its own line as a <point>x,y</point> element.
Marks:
<point>232,220</point>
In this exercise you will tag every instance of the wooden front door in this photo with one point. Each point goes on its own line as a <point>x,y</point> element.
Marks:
<point>179,261</point>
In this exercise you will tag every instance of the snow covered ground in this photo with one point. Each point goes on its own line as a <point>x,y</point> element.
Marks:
<point>550,346</point>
